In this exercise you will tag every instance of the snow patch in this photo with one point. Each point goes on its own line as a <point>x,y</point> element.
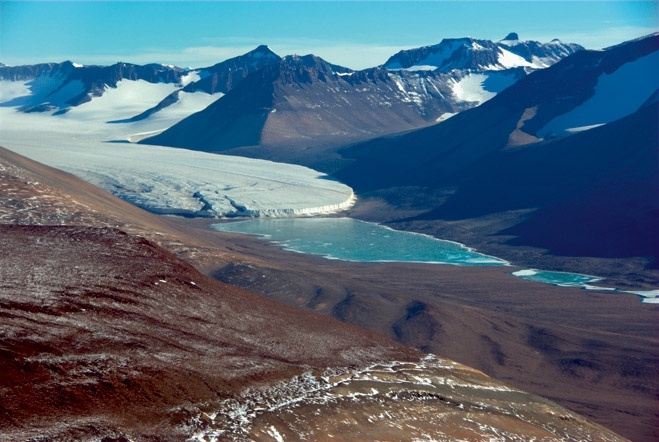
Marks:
<point>417,67</point>
<point>471,89</point>
<point>445,116</point>
<point>272,431</point>
<point>190,77</point>
<point>129,98</point>
<point>10,90</point>
<point>617,94</point>
<point>509,60</point>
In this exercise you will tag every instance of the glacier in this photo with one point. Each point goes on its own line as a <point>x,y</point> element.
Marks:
<point>160,179</point>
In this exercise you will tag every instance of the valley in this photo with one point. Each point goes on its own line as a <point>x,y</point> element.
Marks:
<point>467,141</point>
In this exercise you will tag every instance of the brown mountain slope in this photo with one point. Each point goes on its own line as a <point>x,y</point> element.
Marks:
<point>593,352</point>
<point>106,336</point>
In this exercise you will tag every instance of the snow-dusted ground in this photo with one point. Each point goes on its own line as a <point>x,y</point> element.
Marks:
<point>390,401</point>
<point>161,179</point>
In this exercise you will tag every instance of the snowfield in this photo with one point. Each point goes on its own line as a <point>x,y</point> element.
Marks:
<point>161,179</point>
<point>481,87</point>
<point>611,99</point>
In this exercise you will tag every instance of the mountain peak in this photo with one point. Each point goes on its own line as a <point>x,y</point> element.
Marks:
<point>262,50</point>
<point>512,36</point>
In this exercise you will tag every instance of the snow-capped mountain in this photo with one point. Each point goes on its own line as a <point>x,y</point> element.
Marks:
<point>302,101</point>
<point>479,69</point>
<point>482,55</point>
<point>59,87</point>
<point>306,101</point>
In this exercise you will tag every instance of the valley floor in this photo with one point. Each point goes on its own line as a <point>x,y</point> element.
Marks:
<point>593,352</point>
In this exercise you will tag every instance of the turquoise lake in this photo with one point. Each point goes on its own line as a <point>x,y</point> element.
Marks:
<point>349,239</point>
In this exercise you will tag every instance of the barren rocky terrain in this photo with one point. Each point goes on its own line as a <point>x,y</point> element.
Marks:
<point>105,335</point>
<point>593,352</point>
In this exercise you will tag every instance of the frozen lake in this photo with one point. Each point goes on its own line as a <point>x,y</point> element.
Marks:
<point>349,239</point>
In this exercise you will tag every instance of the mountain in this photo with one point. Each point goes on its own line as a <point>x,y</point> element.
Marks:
<point>313,104</point>
<point>284,109</point>
<point>300,108</point>
<point>303,101</point>
<point>133,343</point>
<point>479,69</point>
<point>217,79</point>
<point>61,86</point>
<point>224,76</point>
<point>482,55</point>
<point>492,158</point>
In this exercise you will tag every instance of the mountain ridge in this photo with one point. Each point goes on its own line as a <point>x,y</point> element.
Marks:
<point>478,55</point>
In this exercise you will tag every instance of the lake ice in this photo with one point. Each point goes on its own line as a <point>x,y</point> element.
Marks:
<point>349,239</point>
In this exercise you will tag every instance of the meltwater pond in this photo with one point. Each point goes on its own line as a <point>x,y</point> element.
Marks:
<point>563,279</point>
<point>349,239</point>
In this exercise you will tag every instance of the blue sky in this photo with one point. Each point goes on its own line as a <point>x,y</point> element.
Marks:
<point>353,34</point>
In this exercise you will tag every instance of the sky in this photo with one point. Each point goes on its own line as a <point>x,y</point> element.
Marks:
<point>354,34</point>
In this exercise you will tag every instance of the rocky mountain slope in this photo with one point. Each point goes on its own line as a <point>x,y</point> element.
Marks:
<point>134,344</point>
<point>58,87</point>
<point>290,110</point>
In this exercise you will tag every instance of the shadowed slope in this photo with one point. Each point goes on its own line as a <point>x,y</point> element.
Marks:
<point>593,193</point>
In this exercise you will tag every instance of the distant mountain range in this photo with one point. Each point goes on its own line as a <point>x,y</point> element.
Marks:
<point>305,101</point>
<point>300,101</point>
<point>482,55</point>
<point>60,86</point>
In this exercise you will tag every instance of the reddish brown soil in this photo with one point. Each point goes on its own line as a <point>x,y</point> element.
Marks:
<point>100,326</point>
<point>593,352</point>
<point>95,342</point>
